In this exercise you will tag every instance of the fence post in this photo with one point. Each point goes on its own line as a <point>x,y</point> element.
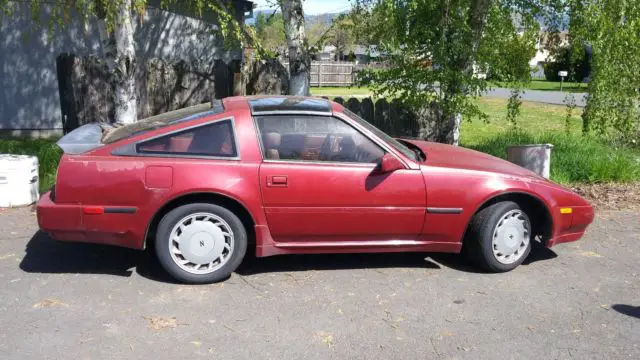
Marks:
<point>381,116</point>
<point>320,74</point>
<point>367,109</point>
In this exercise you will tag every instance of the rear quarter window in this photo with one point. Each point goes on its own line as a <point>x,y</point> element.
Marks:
<point>216,139</point>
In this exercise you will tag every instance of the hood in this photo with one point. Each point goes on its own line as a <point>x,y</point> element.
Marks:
<point>461,158</point>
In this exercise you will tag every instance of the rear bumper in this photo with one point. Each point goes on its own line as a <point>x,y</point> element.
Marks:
<point>75,223</point>
<point>571,227</point>
<point>60,221</point>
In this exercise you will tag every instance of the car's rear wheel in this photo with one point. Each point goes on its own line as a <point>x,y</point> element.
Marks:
<point>200,243</point>
<point>499,237</point>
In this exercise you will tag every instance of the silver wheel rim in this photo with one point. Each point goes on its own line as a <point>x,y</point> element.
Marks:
<point>511,237</point>
<point>201,243</point>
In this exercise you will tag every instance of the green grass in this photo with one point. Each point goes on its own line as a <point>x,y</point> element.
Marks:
<point>575,158</point>
<point>535,118</point>
<point>45,149</point>
<point>340,91</point>
<point>544,85</point>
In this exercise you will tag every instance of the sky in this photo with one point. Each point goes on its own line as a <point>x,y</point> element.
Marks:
<point>312,7</point>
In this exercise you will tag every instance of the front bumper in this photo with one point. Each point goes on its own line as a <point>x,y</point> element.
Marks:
<point>571,227</point>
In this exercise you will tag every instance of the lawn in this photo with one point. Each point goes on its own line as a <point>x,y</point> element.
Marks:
<point>340,91</point>
<point>535,118</point>
<point>575,158</point>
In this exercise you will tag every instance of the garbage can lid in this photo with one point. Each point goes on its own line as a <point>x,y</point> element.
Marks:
<point>548,146</point>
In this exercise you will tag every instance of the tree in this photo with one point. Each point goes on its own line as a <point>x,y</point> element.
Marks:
<point>298,49</point>
<point>317,34</point>
<point>119,52</point>
<point>270,31</point>
<point>116,33</point>
<point>563,58</point>
<point>438,51</point>
<point>610,28</point>
<point>341,37</point>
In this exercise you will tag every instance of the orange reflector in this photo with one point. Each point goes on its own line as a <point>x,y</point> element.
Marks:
<point>566,210</point>
<point>93,210</point>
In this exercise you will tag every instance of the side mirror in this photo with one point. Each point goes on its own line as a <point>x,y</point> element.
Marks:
<point>389,163</point>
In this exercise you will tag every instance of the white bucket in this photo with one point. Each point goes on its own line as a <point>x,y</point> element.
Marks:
<point>19,182</point>
<point>535,157</point>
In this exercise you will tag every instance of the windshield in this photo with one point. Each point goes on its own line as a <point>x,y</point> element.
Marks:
<point>382,135</point>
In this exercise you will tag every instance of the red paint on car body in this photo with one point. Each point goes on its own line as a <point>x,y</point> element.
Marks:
<point>298,207</point>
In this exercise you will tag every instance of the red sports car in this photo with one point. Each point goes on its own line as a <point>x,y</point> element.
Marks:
<point>289,175</point>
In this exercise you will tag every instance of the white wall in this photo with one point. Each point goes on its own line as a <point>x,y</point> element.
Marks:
<point>29,98</point>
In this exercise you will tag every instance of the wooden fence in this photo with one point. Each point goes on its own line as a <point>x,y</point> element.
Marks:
<point>392,117</point>
<point>325,73</point>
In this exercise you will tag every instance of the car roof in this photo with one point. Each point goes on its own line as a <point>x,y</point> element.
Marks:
<point>266,105</point>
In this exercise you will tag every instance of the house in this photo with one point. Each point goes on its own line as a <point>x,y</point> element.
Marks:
<point>328,53</point>
<point>30,100</point>
<point>366,54</point>
<point>542,54</point>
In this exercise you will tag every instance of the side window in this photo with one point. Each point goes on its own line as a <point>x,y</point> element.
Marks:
<point>215,139</point>
<point>314,138</point>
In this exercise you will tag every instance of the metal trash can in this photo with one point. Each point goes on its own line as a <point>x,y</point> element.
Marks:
<point>535,157</point>
<point>19,182</point>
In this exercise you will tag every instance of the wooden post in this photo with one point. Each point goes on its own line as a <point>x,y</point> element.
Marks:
<point>320,74</point>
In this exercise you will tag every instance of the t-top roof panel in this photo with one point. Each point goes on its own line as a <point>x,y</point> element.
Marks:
<point>289,105</point>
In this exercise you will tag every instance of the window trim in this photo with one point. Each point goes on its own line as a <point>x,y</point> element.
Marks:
<point>389,149</point>
<point>315,162</point>
<point>131,149</point>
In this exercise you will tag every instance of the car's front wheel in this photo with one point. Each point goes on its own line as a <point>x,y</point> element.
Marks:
<point>499,237</point>
<point>200,243</point>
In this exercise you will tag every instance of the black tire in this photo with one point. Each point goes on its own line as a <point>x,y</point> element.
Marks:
<point>171,219</point>
<point>478,241</point>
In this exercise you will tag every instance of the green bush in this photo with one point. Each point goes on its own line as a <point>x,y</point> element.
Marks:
<point>574,158</point>
<point>46,150</point>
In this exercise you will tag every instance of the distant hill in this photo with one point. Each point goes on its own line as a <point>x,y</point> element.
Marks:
<point>309,19</point>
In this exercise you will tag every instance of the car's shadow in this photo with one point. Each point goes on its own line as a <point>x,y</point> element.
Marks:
<point>458,262</point>
<point>633,311</point>
<point>44,255</point>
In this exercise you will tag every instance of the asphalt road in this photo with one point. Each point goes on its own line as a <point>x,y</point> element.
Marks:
<point>548,97</point>
<point>72,301</point>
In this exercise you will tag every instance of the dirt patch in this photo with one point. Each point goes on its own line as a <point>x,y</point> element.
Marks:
<point>611,196</point>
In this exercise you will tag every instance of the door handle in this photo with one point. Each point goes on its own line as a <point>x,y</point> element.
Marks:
<point>277,181</point>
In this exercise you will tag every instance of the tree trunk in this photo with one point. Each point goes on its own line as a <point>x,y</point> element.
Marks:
<point>299,59</point>
<point>477,23</point>
<point>120,56</point>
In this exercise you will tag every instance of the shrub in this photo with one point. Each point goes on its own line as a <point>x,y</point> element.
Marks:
<point>46,150</point>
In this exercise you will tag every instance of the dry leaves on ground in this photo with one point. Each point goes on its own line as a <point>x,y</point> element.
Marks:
<point>161,323</point>
<point>326,338</point>
<point>611,196</point>
<point>49,303</point>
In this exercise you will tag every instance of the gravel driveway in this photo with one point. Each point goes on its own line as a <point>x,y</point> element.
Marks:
<point>72,301</point>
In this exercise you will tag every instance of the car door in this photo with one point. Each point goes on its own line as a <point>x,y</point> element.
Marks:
<point>319,183</point>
